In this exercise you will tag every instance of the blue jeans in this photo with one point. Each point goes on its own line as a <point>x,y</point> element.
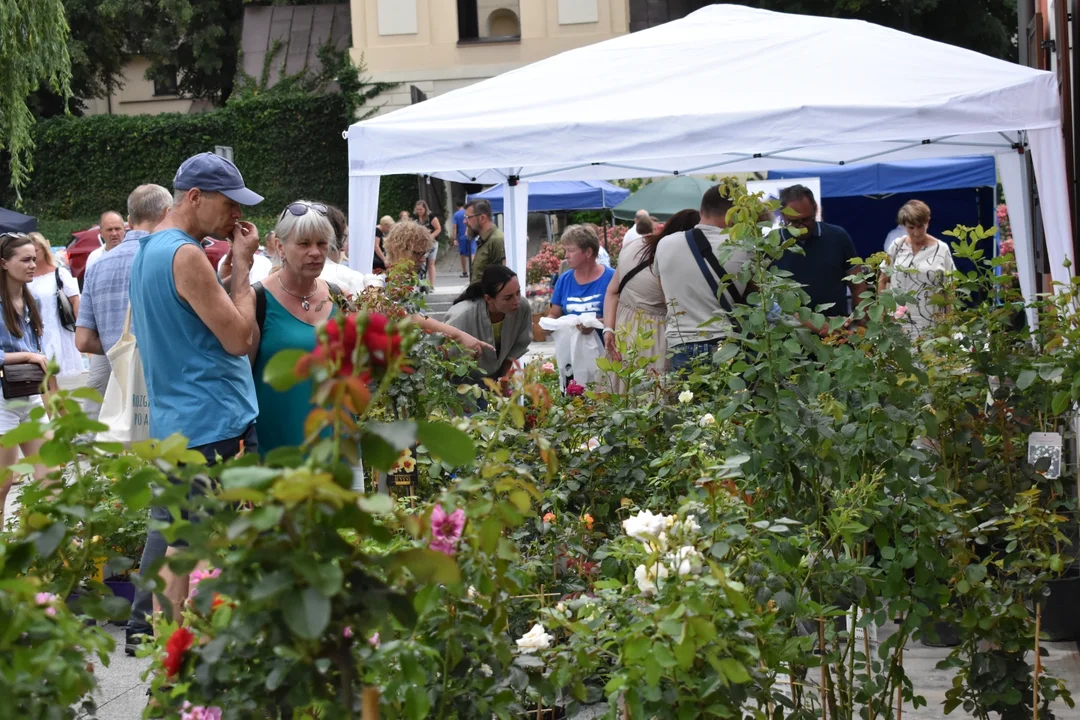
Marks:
<point>154,550</point>
<point>687,353</point>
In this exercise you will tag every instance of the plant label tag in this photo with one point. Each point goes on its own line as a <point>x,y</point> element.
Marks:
<point>1044,453</point>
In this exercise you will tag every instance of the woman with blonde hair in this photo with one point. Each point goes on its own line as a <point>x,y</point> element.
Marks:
<point>410,241</point>
<point>919,264</point>
<point>51,280</point>
<point>20,345</point>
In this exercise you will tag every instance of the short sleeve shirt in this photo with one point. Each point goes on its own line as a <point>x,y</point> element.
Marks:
<point>821,271</point>
<point>576,299</point>
<point>459,223</point>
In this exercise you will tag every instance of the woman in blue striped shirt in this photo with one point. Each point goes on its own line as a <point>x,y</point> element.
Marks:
<point>20,342</point>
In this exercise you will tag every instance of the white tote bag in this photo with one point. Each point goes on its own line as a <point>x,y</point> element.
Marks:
<point>125,408</point>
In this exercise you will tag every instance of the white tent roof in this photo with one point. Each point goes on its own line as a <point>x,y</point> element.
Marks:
<point>729,88</point>
<point>726,87</point>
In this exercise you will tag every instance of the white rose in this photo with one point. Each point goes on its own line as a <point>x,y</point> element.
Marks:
<point>686,561</point>
<point>645,526</point>
<point>690,525</point>
<point>706,420</point>
<point>561,607</point>
<point>471,593</point>
<point>535,639</point>
<point>685,396</point>
<point>486,669</point>
<point>591,445</point>
<point>650,579</point>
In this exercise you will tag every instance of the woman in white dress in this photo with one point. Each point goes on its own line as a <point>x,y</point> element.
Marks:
<point>920,263</point>
<point>57,341</point>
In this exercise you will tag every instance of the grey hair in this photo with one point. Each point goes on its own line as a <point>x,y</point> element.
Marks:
<point>147,203</point>
<point>641,214</point>
<point>792,193</point>
<point>311,224</point>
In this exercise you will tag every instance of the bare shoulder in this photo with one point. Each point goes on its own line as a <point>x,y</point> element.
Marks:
<point>192,268</point>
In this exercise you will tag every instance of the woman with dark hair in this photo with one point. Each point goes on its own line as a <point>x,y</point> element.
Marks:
<point>20,344</point>
<point>635,301</point>
<point>434,228</point>
<point>492,310</point>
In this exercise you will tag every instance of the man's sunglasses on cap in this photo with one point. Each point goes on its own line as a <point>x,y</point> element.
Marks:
<point>299,209</point>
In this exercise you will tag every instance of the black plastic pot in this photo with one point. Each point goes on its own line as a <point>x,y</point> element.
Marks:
<point>935,633</point>
<point>1060,619</point>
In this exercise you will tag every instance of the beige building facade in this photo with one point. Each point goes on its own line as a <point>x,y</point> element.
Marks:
<point>441,45</point>
<point>139,96</point>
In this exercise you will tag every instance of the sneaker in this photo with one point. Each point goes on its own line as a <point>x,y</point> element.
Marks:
<point>464,275</point>
<point>132,640</point>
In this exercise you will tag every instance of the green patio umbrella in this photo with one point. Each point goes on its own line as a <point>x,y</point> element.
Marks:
<point>664,198</point>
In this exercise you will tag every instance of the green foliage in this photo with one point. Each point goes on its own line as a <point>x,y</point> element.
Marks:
<point>287,146</point>
<point>32,52</point>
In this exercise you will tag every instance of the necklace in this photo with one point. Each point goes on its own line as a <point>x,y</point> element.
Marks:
<point>303,298</point>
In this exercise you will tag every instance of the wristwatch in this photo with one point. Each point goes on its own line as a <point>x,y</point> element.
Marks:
<point>608,330</point>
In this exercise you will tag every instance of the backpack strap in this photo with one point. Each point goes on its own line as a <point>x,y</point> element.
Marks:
<point>260,305</point>
<point>630,275</point>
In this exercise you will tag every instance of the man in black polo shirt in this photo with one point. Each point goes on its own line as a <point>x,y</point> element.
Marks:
<point>828,250</point>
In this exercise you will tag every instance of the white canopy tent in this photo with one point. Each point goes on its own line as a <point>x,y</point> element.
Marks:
<point>728,88</point>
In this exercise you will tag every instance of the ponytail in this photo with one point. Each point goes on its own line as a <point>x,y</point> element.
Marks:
<point>490,284</point>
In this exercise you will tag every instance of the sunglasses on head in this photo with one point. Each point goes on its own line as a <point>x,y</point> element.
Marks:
<point>4,237</point>
<point>299,209</point>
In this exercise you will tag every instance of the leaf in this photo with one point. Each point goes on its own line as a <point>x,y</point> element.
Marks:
<point>55,453</point>
<point>307,613</point>
<point>1023,382</point>
<point>258,478</point>
<point>24,432</point>
<point>134,490</point>
<point>398,435</point>
<point>271,585</point>
<point>377,453</point>
<point>734,670</point>
<point>429,566</point>
<point>280,372</point>
<point>1060,402</point>
<point>376,504</point>
<point>446,442</point>
<point>49,539</point>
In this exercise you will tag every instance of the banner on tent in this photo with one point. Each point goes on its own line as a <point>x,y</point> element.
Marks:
<point>770,189</point>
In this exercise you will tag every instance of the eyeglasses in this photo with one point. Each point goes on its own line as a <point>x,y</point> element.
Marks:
<point>299,209</point>
<point>470,217</point>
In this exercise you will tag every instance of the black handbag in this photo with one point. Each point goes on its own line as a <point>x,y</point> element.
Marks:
<point>63,305</point>
<point>21,381</point>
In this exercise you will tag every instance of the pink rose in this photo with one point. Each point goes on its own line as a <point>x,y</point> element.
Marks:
<point>901,311</point>
<point>574,390</point>
<point>199,712</point>
<point>197,576</point>
<point>446,529</point>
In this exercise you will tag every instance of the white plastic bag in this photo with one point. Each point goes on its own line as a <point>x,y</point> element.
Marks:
<point>576,352</point>
<point>125,408</point>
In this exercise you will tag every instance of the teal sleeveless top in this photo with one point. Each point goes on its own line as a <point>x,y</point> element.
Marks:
<point>282,414</point>
<point>195,387</point>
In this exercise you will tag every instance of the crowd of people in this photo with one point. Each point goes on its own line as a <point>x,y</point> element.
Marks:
<point>670,279</point>
<point>207,326</point>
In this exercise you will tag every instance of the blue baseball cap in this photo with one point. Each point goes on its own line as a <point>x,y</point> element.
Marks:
<point>213,173</point>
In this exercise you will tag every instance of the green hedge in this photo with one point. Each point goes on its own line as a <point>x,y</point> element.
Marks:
<point>286,146</point>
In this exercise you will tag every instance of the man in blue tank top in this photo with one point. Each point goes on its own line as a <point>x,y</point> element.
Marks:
<point>193,336</point>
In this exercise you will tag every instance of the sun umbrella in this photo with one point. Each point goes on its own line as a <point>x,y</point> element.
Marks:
<point>664,198</point>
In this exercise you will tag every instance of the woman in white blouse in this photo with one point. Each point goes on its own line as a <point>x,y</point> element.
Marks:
<point>50,278</point>
<point>920,263</point>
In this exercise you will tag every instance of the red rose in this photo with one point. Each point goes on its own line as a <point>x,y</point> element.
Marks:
<point>175,649</point>
<point>573,389</point>
<point>382,346</point>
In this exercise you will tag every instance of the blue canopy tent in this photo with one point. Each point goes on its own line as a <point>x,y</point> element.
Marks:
<point>11,221</point>
<point>864,199</point>
<point>555,195</point>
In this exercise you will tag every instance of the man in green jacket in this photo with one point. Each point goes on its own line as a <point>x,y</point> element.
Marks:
<point>490,245</point>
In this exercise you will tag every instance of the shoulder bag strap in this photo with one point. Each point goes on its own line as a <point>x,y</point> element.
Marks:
<point>260,304</point>
<point>630,275</point>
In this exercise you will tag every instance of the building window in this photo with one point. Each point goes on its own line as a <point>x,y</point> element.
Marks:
<point>166,83</point>
<point>488,21</point>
